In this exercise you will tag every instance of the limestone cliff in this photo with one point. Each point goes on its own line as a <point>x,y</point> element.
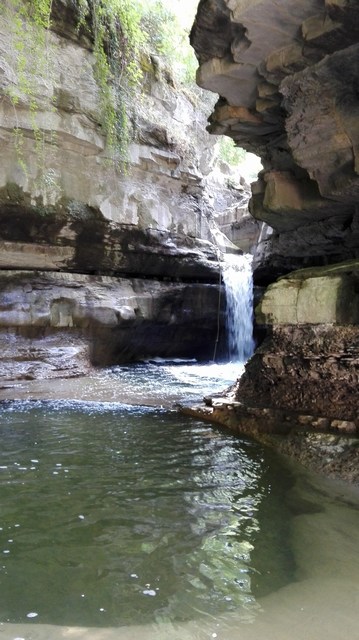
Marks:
<point>287,74</point>
<point>67,210</point>
<point>309,361</point>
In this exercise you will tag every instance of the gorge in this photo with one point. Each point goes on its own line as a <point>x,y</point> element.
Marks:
<point>122,517</point>
<point>103,263</point>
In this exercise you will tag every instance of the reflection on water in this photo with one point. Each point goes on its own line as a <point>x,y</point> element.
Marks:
<point>161,383</point>
<point>117,516</point>
<point>114,515</point>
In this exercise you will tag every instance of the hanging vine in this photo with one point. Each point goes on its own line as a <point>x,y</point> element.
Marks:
<point>120,30</point>
<point>114,26</point>
<point>118,38</point>
<point>29,22</point>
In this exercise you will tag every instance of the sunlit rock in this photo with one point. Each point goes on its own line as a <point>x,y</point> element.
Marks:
<point>325,295</point>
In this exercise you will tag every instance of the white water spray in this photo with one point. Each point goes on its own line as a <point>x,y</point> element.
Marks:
<point>238,282</point>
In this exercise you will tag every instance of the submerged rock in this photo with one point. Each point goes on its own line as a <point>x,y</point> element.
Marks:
<point>329,447</point>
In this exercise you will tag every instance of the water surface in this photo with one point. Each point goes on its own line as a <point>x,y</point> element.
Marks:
<point>122,521</point>
<point>157,383</point>
<point>111,515</point>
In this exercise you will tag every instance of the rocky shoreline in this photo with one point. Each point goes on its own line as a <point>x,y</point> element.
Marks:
<point>328,447</point>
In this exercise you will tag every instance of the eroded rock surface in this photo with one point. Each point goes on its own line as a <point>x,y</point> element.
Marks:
<point>310,360</point>
<point>287,74</point>
<point>307,369</point>
<point>59,324</point>
<point>143,231</point>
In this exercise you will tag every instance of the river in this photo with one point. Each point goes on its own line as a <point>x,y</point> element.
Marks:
<point>120,518</point>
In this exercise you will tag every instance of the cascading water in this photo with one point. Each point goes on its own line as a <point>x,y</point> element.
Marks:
<point>238,282</point>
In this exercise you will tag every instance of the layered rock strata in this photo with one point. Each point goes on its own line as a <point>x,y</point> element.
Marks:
<point>58,324</point>
<point>287,74</point>
<point>75,224</point>
<point>310,360</point>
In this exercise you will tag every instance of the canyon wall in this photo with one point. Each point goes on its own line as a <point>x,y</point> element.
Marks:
<point>287,74</point>
<point>100,262</point>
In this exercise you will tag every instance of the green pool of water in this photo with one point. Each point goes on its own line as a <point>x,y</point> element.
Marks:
<point>114,515</point>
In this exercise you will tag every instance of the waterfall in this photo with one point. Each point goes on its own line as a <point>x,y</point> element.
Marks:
<point>238,282</point>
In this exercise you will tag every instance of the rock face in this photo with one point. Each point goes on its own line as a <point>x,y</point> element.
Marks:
<point>309,369</point>
<point>287,73</point>
<point>322,295</point>
<point>78,236</point>
<point>60,323</point>
<point>55,159</point>
<point>310,359</point>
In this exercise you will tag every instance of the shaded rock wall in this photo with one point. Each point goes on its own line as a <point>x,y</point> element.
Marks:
<point>310,360</point>
<point>65,208</point>
<point>60,323</point>
<point>309,369</point>
<point>287,73</point>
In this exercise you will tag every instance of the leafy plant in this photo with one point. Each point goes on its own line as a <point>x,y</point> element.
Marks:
<point>115,26</point>
<point>116,29</point>
<point>124,33</point>
<point>29,23</point>
<point>228,151</point>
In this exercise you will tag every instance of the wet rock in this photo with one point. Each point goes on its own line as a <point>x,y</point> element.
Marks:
<point>309,361</point>
<point>306,368</point>
<point>303,437</point>
<point>30,239</point>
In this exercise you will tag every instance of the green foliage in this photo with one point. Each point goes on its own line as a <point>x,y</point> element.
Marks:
<point>29,22</point>
<point>126,31</point>
<point>118,40</point>
<point>115,26</point>
<point>164,35</point>
<point>39,12</point>
<point>167,37</point>
<point>228,151</point>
